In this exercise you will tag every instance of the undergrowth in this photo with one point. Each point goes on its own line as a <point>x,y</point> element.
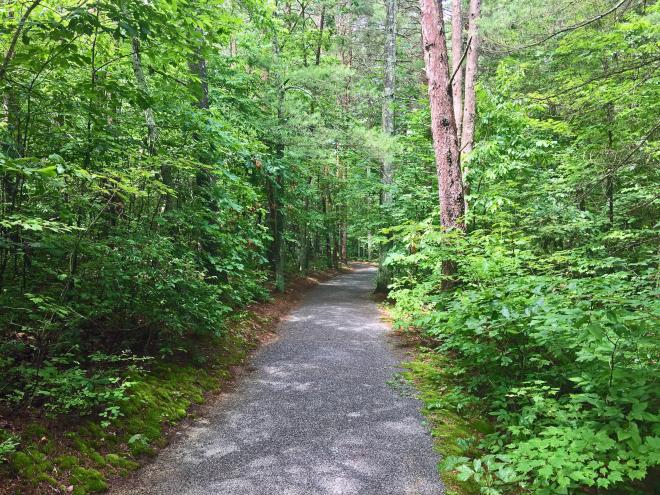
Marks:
<point>455,434</point>
<point>83,457</point>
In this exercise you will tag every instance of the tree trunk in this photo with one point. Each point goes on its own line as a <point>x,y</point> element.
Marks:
<point>456,52</point>
<point>277,214</point>
<point>388,94</point>
<point>198,67</point>
<point>344,244</point>
<point>469,111</point>
<point>387,172</point>
<point>303,15</point>
<point>443,124</point>
<point>344,222</point>
<point>319,46</point>
<point>150,120</point>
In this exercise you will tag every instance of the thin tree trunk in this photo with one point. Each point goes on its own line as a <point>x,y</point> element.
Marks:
<point>303,14</point>
<point>198,67</point>
<point>470,108</point>
<point>344,223</point>
<point>150,120</point>
<point>443,124</point>
<point>609,183</point>
<point>319,46</point>
<point>388,96</point>
<point>387,172</point>
<point>277,214</point>
<point>456,51</point>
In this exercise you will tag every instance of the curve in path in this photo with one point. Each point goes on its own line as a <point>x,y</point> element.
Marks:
<point>316,416</point>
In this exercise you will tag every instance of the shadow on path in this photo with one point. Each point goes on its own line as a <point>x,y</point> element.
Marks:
<point>317,415</point>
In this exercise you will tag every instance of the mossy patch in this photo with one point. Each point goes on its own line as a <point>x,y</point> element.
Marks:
<point>87,481</point>
<point>67,461</point>
<point>88,453</point>
<point>97,458</point>
<point>118,461</point>
<point>31,465</point>
<point>453,434</point>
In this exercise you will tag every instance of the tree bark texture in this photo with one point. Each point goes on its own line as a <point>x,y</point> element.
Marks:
<point>387,170</point>
<point>470,108</point>
<point>388,94</point>
<point>456,52</point>
<point>150,120</point>
<point>319,45</point>
<point>443,124</point>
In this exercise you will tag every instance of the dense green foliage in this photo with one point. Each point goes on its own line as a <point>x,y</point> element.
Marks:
<point>164,163</point>
<point>120,234</point>
<point>552,331</point>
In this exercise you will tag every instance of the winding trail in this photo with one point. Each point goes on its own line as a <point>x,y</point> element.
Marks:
<point>316,416</point>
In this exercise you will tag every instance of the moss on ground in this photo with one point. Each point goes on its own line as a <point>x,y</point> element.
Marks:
<point>66,461</point>
<point>87,481</point>
<point>453,434</point>
<point>87,455</point>
<point>123,463</point>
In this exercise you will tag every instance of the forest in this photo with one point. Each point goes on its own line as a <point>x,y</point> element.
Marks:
<point>167,164</point>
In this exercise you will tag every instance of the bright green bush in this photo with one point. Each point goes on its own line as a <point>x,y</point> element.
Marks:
<point>566,366</point>
<point>551,330</point>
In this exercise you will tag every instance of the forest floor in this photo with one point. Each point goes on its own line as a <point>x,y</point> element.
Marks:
<point>320,411</point>
<point>78,456</point>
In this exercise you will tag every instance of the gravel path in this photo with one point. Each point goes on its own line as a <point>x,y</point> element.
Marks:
<point>318,415</point>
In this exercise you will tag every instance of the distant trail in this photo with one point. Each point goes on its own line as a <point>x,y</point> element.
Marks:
<point>316,416</point>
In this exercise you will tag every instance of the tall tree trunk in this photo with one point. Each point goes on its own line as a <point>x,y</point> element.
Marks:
<point>150,120</point>
<point>303,15</point>
<point>319,45</point>
<point>387,172</point>
<point>388,94</point>
<point>344,244</point>
<point>303,253</point>
<point>470,109</point>
<point>199,69</point>
<point>456,52</point>
<point>276,189</point>
<point>344,222</point>
<point>611,168</point>
<point>443,124</point>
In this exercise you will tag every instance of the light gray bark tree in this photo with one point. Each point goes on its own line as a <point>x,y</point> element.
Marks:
<point>456,60</point>
<point>387,170</point>
<point>388,93</point>
<point>469,109</point>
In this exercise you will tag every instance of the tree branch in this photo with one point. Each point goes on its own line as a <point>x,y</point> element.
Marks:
<point>460,63</point>
<point>12,46</point>
<point>571,28</point>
